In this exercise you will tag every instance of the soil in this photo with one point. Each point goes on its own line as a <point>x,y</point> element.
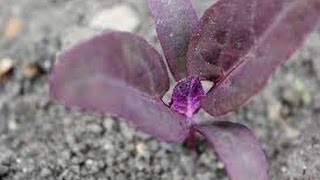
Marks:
<point>42,140</point>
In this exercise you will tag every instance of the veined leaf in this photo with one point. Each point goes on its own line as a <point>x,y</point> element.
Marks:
<point>226,32</point>
<point>174,20</point>
<point>260,49</point>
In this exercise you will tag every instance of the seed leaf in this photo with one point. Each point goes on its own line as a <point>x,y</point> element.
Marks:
<point>120,74</point>
<point>237,148</point>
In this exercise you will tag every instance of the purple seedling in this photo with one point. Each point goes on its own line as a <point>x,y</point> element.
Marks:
<point>237,45</point>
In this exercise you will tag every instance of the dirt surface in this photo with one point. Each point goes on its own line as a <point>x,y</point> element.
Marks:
<point>40,139</point>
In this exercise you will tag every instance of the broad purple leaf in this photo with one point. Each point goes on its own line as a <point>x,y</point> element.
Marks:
<point>120,74</point>
<point>187,95</point>
<point>174,20</point>
<point>238,149</point>
<point>226,32</point>
<point>275,45</point>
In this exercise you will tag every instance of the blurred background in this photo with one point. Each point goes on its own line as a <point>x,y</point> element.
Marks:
<point>40,139</point>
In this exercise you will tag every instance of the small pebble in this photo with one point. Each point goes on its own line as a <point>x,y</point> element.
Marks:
<point>12,125</point>
<point>45,172</point>
<point>6,67</point>
<point>120,17</point>
<point>274,111</point>
<point>89,162</point>
<point>283,169</point>
<point>141,148</point>
<point>31,70</point>
<point>291,132</point>
<point>13,27</point>
<point>290,97</point>
<point>220,165</point>
<point>108,145</point>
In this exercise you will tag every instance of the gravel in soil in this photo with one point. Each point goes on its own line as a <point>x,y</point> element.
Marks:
<point>42,140</point>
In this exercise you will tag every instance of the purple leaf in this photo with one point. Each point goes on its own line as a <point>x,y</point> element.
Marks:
<point>226,32</point>
<point>121,74</point>
<point>187,95</point>
<point>245,77</point>
<point>175,20</point>
<point>238,149</point>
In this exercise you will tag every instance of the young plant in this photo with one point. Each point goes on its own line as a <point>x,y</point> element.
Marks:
<point>237,45</point>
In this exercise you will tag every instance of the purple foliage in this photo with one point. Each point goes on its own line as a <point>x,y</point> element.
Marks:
<point>256,54</point>
<point>226,32</point>
<point>237,148</point>
<point>121,74</point>
<point>187,95</point>
<point>174,22</point>
<point>237,44</point>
